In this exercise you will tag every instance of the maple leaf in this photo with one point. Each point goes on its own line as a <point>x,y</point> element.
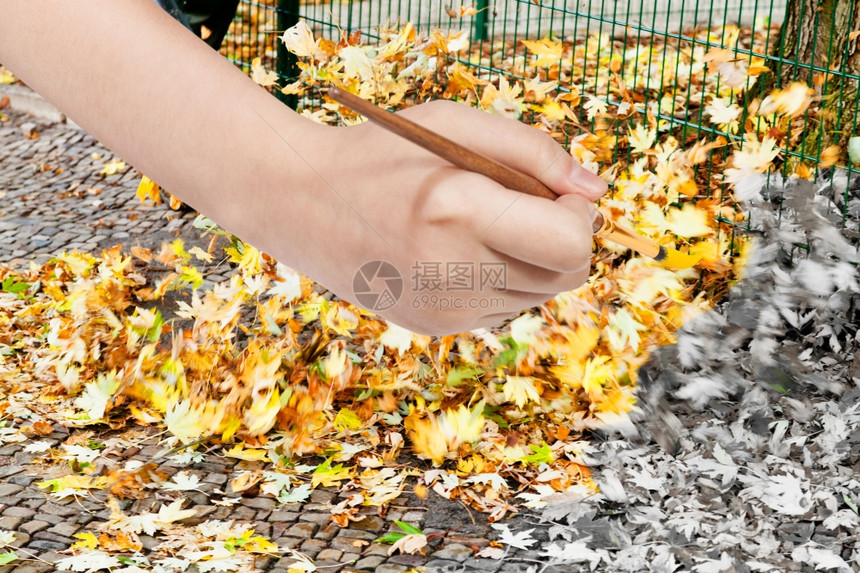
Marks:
<point>791,101</point>
<point>96,396</point>
<point>6,538</point>
<point>148,189</point>
<point>520,390</point>
<point>113,167</point>
<point>409,544</point>
<point>89,562</point>
<point>356,63</point>
<point>396,338</point>
<point>723,114</point>
<point>595,107</point>
<point>521,540</point>
<point>329,476</point>
<point>297,494</point>
<point>641,139</point>
<point>548,51</point>
<point>181,481</point>
<point>261,76</point>
<point>299,39</point>
<point>688,222</point>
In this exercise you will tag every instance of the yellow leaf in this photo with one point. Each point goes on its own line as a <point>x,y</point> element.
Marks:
<point>87,541</point>
<point>300,40</point>
<point>148,189</point>
<point>641,139</point>
<point>548,51</point>
<point>261,76</point>
<point>240,452</point>
<point>113,167</point>
<point>597,373</point>
<point>520,390</point>
<point>689,222</point>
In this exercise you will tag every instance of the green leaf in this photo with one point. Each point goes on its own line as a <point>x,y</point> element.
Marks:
<point>346,419</point>
<point>391,538</point>
<point>13,285</point>
<point>542,455</point>
<point>460,374</point>
<point>408,528</point>
<point>8,557</point>
<point>850,503</point>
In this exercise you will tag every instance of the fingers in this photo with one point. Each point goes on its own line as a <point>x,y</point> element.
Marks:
<point>515,144</point>
<point>525,277</point>
<point>555,236</point>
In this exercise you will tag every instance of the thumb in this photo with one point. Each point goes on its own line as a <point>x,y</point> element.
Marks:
<point>513,143</point>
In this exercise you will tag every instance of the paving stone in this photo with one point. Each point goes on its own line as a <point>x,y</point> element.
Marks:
<point>10,522</point>
<point>312,547</point>
<point>33,526</point>
<point>305,530</point>
<point>260,502</point>
<point>482,564</point>
<point>47,536</point>
<point>24,512</point>
<point>358,534</point>
<point>11,470</point>
<point>407,559</point>
<point>369,523</point>
<point>443,566</point>
<point>317,518</point>
<point>280,515</point>
<point>51,508</point>
<point>391,568</point>
<point>49,545</point>
<point>329,555</point>
<point>454,551</point>
<point>328,531</point>
<point>66,529</point>
<point>369,562</point>
<point>7,489</point>
<point>414,517</point>
<point>289,542</point>
<point>322,497</point>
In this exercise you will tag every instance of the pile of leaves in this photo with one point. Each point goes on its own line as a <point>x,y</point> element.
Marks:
<point>745,449</point>
<point>271,362</point>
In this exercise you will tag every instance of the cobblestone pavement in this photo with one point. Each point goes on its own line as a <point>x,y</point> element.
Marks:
<point>55,199</point>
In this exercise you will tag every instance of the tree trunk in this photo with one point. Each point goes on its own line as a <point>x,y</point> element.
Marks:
<point>818,33</point>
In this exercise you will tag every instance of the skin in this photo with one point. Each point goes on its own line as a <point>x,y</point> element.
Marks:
<point>323,200</point>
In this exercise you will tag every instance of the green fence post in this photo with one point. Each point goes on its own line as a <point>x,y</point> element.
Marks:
<point>288,16</point>
<point>482,21</point>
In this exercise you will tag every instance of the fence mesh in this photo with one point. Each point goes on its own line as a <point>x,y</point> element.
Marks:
<point>650,51</point>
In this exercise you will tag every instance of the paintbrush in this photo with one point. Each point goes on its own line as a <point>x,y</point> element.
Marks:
<point>512,179</point>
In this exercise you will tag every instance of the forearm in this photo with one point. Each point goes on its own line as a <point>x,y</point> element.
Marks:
<point>163,100</point>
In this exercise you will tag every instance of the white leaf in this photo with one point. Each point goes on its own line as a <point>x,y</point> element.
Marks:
<point>820,558</point>
<point>37,447</point>
<point>576,551</point>
<point>409,543</point>
<point>223,564</point>
<point>297,494</point>
<point>96,396</point>
<point>520,540</point>
<point>182,481</point>
<point>91,561</point>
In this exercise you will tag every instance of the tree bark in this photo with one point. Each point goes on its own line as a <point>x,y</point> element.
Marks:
<point>818,33</point>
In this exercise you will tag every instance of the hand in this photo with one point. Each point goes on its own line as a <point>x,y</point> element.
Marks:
<point>379,197</point>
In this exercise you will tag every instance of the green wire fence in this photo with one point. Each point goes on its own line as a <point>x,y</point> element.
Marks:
<point>789,40</point>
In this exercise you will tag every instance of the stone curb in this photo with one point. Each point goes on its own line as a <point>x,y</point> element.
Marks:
<point>25,100</point>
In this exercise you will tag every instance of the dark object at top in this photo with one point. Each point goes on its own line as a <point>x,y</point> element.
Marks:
<point>215,15</point>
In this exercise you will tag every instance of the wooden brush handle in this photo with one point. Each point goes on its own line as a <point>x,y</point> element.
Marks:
<point>451,151</point>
